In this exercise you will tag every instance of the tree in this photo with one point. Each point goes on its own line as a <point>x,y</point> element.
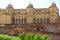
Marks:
<point>37,36</point>
<point>7,37</point>
<point>32,37</point>
<point>45,37</point>
<point>21,35</point>
<point>28,36</point>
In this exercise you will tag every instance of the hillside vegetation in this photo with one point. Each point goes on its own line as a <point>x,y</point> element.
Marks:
<point>24,36</point>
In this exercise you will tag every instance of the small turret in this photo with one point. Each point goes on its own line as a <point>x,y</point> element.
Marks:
<point>53,5</point>
<point>53,8</point>
<point>30,8</point>
<point>54,12</point>
<point>9,8</point>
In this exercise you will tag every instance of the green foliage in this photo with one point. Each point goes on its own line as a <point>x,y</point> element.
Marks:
<point>45,37</point>
<point>37,36</point>
<point>21,35</point>
<point>7,37</point>
<point>30,36</point>
<point>24,36</point>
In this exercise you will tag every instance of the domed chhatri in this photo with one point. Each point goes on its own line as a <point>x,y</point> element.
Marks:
<point>30,6</point>
<point>9,5</point>
<point>53,5</point>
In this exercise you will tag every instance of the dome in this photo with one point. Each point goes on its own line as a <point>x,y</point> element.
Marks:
<point>30,6</point>
<point>53,5</point>
<point>9,5</point>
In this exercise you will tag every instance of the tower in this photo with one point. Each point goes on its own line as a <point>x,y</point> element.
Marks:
<point>9,9</point>
<point>0,15</point>
<point>30,11</point>
<point>54,12</point>
<point>54,8</point>
<point>30,8</point>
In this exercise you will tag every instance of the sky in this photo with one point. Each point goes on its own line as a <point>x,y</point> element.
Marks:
<point>22,4</point>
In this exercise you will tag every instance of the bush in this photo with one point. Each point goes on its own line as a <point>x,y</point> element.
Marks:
<point>30,36</point>
<point>24,36</point>
<point>21,35</point>
<point>7,37</point>
<point>45,37</point>
<point>37,36</point>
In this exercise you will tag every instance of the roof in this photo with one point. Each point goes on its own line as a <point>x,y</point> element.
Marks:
<point>36,10</point>
<point>9,5</point>
<point>30,6</point>
<point>18,11</point>
<point>42,10</point>
<point>53,5</point>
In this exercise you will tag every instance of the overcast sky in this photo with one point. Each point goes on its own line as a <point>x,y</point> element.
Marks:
<point>19,4</point>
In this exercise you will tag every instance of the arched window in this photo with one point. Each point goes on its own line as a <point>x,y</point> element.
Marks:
<point>16,21</point>
<point>25,20</point>
<point>41,20</point>
<point>22,21</point>
<point>47,20</point>
<point>44,20</point>
<point>19,21</point>
<point>18,12</point>
<point>34,20</point>
<point>13,20</point>
<point>52,14</point>
<point>38,20</point>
